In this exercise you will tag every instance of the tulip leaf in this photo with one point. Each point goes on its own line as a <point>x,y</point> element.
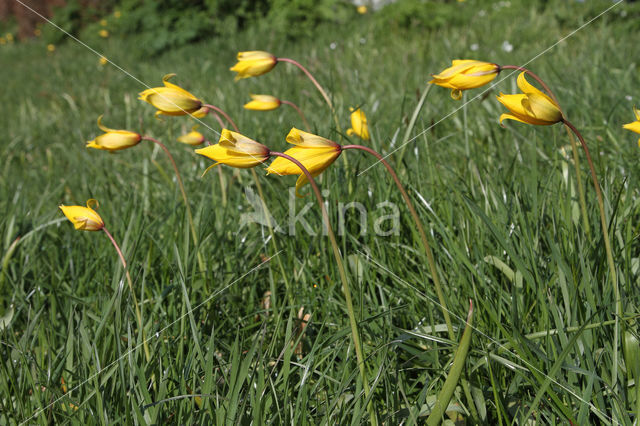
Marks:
<point>453,377</point>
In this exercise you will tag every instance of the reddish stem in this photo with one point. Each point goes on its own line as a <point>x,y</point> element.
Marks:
<point>423,235</point>
<point>225,115</point>
<point>341,269</point>
<point>294,106</point>
<point>313,80</point>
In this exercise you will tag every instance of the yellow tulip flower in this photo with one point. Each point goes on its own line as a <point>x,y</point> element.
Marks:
<point>253,64</point>
<point>192,138</point>
<point>262,103</point>
<point>114,140</point>
<point>635,126</point>
<point>103,33</point>
<point>171,99</point>
<point>313,152</point>
<point>532,107</point>
<point>358,124</point>
<point>84,218</point>
<point>235,150</point>
<point>464,74</point>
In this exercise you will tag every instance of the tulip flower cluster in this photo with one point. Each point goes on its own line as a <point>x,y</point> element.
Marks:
<point>312,154</point>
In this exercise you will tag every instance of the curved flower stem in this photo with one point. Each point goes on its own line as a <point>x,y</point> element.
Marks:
<point>607,247</point>
<point>294,106</point>
<point>262,202</point>
<point>133,293</point>
<point>313,80</point>
<point>343,277</point>
<point>423,235</point>
<point>184,198</point>
<point>574,148</point>
<point>224,114</point>
<point>217,116</point>
<point>533,75</point>
<point>324,94</point>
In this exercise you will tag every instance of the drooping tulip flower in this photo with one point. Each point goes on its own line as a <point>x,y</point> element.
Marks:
<point>313,152</point>
<point>253,64</point>
<point>235,150</point>
<point>464,74</point>
<point>171,99</point>
<point>531,107</point>
<point>359,125</point>
<point>114,140</point>
<point>634,126</point>
<point>193,138</point>
<point>263,103</point>
<point>84,218</point>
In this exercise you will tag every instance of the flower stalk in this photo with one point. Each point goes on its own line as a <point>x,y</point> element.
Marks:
<point>574,147</point>
<point>133,293</point>
<point>343,277</point>
<point>294,106</point>
<point>423,235</point>
<point>607,247</point>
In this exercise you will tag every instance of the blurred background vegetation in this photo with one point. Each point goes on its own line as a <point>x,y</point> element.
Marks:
<point>155,26</point>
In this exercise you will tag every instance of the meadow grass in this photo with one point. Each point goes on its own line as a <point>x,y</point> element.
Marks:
<point>499,204</point>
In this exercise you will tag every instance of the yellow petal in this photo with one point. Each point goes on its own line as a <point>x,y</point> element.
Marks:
<point>305,139</point>
<point>262,103</point>
<point>634,126</point>
<point>530,89</point>
<point>115,140</point>
<point>83,218</point>
<point>103,127</point>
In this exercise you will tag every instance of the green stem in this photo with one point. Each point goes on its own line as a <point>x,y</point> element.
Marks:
<point>343,277</point>
<point>133,294</point>
<point>607,246</point>
<point>194,234</point>
<point>423,235</point>
<point>264,208</point>
<point>294,106</point>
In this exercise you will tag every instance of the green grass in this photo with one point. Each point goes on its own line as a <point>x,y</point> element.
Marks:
<point>504,224</point>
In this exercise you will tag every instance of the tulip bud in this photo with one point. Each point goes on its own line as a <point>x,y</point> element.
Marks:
<point>171,99</point>
<point>253,64</point>
<point>114,140</point>
<point>84,218</point>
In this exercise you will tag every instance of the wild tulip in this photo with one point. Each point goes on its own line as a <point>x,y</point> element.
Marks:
<point>235,150</point>
<point>114,140</point>
<point>531,107</point>
<point>171,99</point>
<point>314,152</point>
<point>359,125</point>
<point>253,63</point>
<point>263,103</point>
<point>84,218</point>
<point>634,126</point>
<point>465,74</point>
<point>193,138</point>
